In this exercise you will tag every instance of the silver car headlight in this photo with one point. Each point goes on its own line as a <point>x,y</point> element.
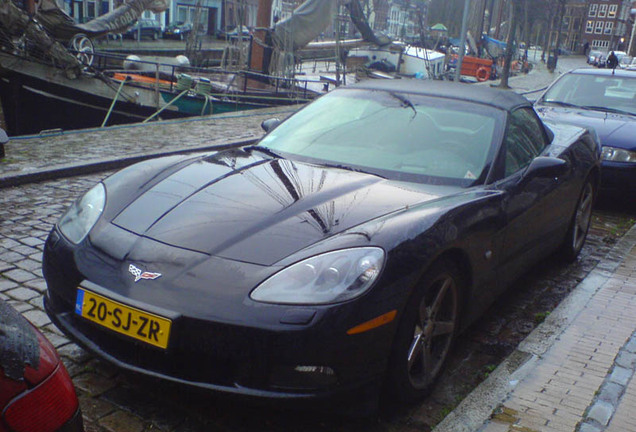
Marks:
<point>614,154</point>
<point>82,215</point>
<point>331,277</point>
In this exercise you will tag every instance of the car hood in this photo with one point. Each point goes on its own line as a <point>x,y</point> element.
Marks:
<point>260,210</point>
<point>614,130</point>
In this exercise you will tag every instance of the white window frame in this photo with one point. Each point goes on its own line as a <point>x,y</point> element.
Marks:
<point>612,11</point>
<point>598,28</point>
<point>589,26</point>
<point>600,44</point>
<point>602,11</point>
<point>182,13</point>
<point>609,26</point>
<point>593,9</point>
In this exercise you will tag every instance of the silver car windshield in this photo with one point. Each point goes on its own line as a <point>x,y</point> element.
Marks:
<point>396,135</point>
<point>609,93</point>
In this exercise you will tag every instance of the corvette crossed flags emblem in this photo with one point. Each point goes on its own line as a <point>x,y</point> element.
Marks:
<point>138,274</point>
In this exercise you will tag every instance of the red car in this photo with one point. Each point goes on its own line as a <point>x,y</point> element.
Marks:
<point>36,391</point>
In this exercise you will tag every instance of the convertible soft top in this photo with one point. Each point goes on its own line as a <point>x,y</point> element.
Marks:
<point>502,99</point>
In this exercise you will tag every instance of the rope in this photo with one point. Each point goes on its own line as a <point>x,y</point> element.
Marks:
<point>166,106</point>
<point>112,105</point>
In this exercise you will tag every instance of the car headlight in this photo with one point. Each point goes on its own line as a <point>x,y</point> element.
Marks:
<point>82,215</point>
<point>618,155</point>
<point>331,277</point>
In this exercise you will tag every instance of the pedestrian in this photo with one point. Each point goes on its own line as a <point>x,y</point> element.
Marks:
<point>612,61</point>
<point>586,47</point>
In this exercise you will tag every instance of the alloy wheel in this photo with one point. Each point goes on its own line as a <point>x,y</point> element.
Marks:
<point>434,331</point>
<point>583,216</point>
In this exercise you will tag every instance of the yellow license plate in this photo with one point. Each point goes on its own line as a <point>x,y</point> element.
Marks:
<point>138,324</point>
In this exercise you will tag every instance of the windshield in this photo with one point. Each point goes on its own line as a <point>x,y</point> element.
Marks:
<point>395,135</point>
<point>610,93</point>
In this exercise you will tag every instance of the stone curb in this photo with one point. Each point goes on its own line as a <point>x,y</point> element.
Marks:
<point>70,170</point>
<point>474,412</point>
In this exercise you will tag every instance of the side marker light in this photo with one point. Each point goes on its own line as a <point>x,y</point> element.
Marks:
<point>374,323</point>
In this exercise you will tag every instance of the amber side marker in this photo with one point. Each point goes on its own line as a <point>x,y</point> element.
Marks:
<point>374,323</point>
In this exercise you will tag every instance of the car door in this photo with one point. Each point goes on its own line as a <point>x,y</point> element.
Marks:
<point>531,203</point>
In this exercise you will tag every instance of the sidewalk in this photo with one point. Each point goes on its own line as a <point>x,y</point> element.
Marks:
<point>572,373</point>
<point>532,83</point>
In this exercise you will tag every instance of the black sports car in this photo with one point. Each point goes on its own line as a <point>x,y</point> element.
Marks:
<point>346,249</point>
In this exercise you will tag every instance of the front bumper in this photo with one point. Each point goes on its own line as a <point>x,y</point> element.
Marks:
<point>618,178</point>
<point>295,358</point>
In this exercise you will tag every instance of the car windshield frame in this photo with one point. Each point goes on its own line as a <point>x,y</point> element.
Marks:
<point>395,135</point>
<point>607,93</point>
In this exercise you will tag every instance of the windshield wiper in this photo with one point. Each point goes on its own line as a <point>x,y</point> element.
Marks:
<point>262,149</point>
<point>607,109</point>
<point>348,168</point>
<point>405,101</point>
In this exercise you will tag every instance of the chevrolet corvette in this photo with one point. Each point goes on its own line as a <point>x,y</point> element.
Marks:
<point>345,250</point>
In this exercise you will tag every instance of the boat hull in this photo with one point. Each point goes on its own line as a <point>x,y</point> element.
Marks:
<point>36,97</point>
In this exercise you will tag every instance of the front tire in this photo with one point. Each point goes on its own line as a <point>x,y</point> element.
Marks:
<point>580,224</point>
<point>426,332</point>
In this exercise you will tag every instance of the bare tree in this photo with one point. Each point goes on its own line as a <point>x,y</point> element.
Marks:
<point>515,11</point>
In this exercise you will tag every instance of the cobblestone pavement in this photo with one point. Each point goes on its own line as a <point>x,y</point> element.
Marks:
<point>116,401</point>
<point>116,146</point>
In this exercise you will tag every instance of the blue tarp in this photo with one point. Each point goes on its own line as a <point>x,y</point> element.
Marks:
<point>499,43</point>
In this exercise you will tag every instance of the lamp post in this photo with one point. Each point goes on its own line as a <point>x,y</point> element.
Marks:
<point>632,12</point>
<point>462,41</point>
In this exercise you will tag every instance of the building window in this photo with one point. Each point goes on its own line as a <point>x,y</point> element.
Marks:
<point>182,13</point>
<point>599,27</point>
<point>612,11</point>
<point>565,24</point>
<point>600,44</point>
<point>589,26</point>
<point>609,26</point>
<point>602,11</point>
<point>90,12</point>
<point>593,8</point>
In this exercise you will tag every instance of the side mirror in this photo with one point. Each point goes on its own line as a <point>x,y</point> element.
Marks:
<point>4,138</point>
<point>270,124</point>
<point>544,166</point>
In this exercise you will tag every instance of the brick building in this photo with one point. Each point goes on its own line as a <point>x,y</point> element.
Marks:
<point>572,26</point>
<point>607,25</point>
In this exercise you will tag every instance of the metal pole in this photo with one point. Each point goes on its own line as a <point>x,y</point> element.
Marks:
<point>631,39</point>
<point>462,41</point>
<point>157,85</point>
